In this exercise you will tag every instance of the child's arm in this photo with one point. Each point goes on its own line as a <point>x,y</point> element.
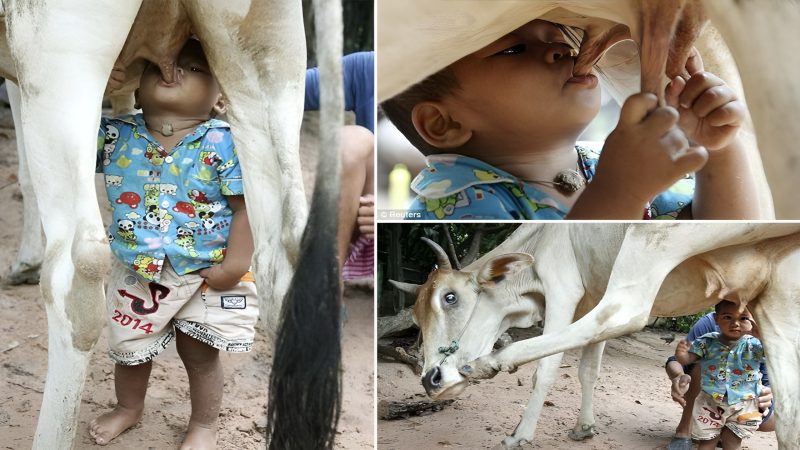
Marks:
<point>637,162</point>
<point>711,115</point>
<point>683,355</point>
<point>239,253</point>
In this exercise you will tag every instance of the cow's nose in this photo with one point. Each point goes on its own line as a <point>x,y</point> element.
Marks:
<point>433,380</point>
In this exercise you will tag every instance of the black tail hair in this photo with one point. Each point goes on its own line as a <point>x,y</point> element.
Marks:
<point>305,383</point>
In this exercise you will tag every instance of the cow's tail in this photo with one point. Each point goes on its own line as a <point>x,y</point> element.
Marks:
<point>305,383</point>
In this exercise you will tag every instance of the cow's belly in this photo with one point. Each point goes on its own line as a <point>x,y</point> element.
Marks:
<point>737,273</point>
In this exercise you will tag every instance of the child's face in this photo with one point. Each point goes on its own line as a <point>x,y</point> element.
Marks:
<point>522,84</point>
<point>733,324</point>
<point>194,92</point>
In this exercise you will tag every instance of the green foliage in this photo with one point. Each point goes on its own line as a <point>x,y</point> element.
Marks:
<point>419,257</point>
<point>403,256</point>
<point>684,323</point>
<point>357,19</point>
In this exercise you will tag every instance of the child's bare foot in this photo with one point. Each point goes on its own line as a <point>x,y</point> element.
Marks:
<point>108,426</point>
<point>200,437</point>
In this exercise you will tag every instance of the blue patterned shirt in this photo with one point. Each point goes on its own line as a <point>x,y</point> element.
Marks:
<point>168,203</point>
<point>455,187</point>
<point>729,374</point>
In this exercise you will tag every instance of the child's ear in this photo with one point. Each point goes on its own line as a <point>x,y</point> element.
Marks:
<point>435,124</point>
<point>220,107</point>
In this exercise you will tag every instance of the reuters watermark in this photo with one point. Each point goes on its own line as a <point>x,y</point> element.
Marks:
<point>399,214</point>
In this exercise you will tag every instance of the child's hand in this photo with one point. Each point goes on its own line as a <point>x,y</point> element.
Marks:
<point>683,348</point>
<point>764,399</point>
<point>680,385</point>
<point>219,278</point>
<point>646,153</point>
<point>116,79</point>
<point>710,112</point>
<point>366,216</point>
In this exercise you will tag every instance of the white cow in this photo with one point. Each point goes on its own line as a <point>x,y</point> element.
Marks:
<point>61,53</point>
<point>637,271</point>
<point>416,38</point>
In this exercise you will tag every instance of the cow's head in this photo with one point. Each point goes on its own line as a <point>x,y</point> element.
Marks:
<point>462,314</point>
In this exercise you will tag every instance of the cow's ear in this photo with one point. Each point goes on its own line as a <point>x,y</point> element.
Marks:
<point>408,288</point>
<point>496,269</point>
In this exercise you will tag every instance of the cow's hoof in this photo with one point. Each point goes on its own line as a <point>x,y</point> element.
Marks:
<point>511,443</point>
<point>22,273</point>
<point>582,433</point>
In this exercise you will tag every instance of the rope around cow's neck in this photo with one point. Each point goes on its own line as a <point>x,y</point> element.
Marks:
<point>453,347</point>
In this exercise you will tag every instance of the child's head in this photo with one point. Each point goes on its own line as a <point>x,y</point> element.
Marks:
<point>517,91</point>
<point>194,94</point>
<point>733,320</point>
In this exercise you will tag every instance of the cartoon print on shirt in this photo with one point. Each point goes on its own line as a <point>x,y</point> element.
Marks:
<point>125,231</point>
<point>157,212</point>
<point>218,254</point>
<point>109,143</point>
<point>197,197</point>
<point>445,206</point>
<point>485,175</point>
<point>131,199</point>
<point>157,217</point>
<point>210,158</point>
<point>186,240</point>
<point>517,192</point>
<point>184,208</point>
<point>155,154</point>
<point>147,266</point>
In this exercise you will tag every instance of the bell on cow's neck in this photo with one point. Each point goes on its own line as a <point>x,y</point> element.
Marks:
<point>166,129</point>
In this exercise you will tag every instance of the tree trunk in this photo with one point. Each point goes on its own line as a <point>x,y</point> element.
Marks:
<point>400,410</point>
<point>474,248</point>
<point>451,249</point>
<point>402,321</point>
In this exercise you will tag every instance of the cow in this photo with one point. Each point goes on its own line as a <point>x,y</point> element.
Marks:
<point>416,38</point>
<point>610,277</point>
<point>60,53</point>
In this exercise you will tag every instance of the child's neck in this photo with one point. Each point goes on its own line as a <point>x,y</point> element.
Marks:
<point>729,341</point>
<point>540,166</point>
<point>168,130</point>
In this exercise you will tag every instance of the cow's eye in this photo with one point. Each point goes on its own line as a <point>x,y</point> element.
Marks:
<point>450,298</point>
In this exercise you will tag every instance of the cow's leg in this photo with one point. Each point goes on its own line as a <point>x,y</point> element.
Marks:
<point>261,71</point>
<point>777,314</point>
<point>25,269</point>
<point>648,253</point>
<point>60,117</point>
<point>590,368</point>
<point>542,380</point>
<point>566,296</point>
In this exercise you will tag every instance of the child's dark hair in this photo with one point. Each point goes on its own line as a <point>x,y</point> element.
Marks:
<point>398,108</point>
<point>724,303</point>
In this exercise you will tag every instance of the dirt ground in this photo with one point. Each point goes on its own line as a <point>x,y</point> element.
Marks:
<point>23,363</point>
<point>632,405</point>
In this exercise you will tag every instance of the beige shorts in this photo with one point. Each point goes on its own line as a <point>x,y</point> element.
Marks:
<point>708,418</point>
<point>143,315</point>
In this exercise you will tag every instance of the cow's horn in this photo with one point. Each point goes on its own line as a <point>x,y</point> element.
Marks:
<point>442,260</point>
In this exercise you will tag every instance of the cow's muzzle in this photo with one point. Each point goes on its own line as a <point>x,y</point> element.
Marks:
<point>443,382</point>
<point>432,381</point>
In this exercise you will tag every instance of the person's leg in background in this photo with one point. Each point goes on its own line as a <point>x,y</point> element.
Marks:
<point>356,183</point>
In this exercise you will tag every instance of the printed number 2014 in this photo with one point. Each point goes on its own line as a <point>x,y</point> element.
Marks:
<point>706,420</point>
<point>126,320</point>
